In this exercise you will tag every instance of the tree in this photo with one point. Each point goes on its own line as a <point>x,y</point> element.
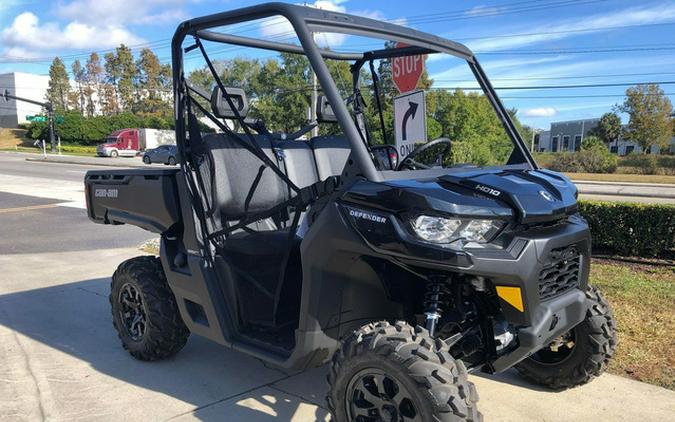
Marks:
<point>94,80</point>
<point>609,128</point>
<point>112,77</point>
<point>127,74</point>
<point>59,86</point>
<point>593,143</point>
<point>649,110</point>
<point>152,78</point>
<point>80,77</point>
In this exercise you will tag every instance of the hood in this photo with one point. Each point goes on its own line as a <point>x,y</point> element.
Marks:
<point>534,195</point>
<point>526,196</point>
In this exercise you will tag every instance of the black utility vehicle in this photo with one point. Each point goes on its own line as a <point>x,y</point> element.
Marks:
<point>405,271</point>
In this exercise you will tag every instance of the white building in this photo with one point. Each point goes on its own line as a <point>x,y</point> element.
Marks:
<point>568,136</point>
<point>26,85</point>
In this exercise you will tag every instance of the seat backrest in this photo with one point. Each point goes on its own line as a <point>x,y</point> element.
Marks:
<point>331,154</point>
<point>235,170</point>
<point>299,162</point>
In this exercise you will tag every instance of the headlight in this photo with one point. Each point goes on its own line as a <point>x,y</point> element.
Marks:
<point>480,230</point>
<point>436,229</point>
<point>445,230</point>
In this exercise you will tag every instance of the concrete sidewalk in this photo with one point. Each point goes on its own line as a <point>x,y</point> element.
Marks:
<point>61,360</point>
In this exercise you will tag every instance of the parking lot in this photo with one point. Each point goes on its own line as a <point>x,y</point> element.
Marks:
<point>61,359</point>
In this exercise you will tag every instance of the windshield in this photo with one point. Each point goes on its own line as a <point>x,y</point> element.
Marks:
<point>426,108</point>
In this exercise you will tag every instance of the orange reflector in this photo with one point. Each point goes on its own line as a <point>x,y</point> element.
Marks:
<point>512,296</point>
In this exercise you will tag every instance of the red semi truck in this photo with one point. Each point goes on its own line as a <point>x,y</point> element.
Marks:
<point>129,142</point>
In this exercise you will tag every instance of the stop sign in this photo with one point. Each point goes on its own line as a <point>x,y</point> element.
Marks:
<point>406,71</point>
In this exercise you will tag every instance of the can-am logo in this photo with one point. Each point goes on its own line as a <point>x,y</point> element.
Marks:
<point>488,190</point>
<point>106,193</point>
<point>368,216</point>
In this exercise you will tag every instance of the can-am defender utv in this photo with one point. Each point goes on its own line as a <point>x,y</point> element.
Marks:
<point>407,271</point>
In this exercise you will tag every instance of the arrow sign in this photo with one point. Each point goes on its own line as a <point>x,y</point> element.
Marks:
<point>412,109</point>
<point>409,121</point>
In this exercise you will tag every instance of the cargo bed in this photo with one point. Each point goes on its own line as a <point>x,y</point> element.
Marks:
<point>147,198</point>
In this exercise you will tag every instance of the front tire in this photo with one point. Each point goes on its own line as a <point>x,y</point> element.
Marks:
<point>144,310</point>
<point>146,159</point>
<point>582,354</point>
<point>387,372</point>
<point>114,154</point>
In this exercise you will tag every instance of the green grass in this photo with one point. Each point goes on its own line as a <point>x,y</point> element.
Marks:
<point>643,299</point>
<point>81,151</point>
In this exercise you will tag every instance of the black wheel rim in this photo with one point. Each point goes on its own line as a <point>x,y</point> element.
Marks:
<point>557,351</point>
<point>374,396</point>
<point>132,311</point>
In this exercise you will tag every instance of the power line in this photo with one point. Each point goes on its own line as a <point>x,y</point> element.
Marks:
<point>535,78</point>
<point>574,96</point>
<point>582,50</point>
<point>439,17</point>
<point>507,88</point>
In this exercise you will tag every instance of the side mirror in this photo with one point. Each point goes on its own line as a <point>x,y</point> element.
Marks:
<point>221,107</point>
<point>324,112</point>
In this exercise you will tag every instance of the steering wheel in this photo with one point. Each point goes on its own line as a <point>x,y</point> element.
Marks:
<point>409,161</point>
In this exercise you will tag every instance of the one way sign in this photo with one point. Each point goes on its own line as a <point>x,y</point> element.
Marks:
<point>410,122</point>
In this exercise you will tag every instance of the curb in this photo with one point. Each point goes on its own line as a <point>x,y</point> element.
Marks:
<point>633,194</point>
<point>637,184</point>
<point>84,163</point>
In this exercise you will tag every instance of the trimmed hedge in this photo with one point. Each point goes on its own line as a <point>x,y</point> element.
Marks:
<point>631,229</point>
<point>76,128</point>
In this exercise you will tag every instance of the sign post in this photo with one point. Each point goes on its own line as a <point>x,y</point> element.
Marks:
<point>410,125</point>
<point>410,115</point>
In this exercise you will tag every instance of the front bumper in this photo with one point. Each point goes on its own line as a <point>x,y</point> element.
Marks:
<point>543,317</point>
<point>103,152</point>
<point>519,265</point>
<point>552,318</point>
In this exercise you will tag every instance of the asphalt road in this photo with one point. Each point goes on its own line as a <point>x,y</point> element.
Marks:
<point>60,358</point>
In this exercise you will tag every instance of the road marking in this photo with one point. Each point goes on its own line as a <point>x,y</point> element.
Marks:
<point>27,208</point>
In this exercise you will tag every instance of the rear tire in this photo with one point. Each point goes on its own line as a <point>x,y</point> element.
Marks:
<point>144,310</point>
<point>172,161</point>
<point>394,372</point>
<point>594,342</point>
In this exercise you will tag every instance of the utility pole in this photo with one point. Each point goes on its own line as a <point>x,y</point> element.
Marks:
<point>47,106</point>
<point>315,131</point>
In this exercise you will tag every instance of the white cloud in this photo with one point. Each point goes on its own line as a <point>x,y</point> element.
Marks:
<point>595,23</point>
<point>28,34</point>
<point>280,29</point>
<point>482,10</point>
<point>539,112</point>
<point>122,12</point>
<point>462,71</point>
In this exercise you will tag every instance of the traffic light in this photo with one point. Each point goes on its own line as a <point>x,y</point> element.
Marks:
<point>6,94</point>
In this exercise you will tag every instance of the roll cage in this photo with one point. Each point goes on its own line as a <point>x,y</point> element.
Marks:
<point>305,21</point>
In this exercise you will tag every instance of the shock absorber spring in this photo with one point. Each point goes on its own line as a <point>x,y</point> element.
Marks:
<point>438,289</point>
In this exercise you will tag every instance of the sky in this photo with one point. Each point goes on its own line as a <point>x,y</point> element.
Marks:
<point>536,44</point>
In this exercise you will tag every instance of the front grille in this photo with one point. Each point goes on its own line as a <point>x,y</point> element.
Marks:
<point>561,273</point>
